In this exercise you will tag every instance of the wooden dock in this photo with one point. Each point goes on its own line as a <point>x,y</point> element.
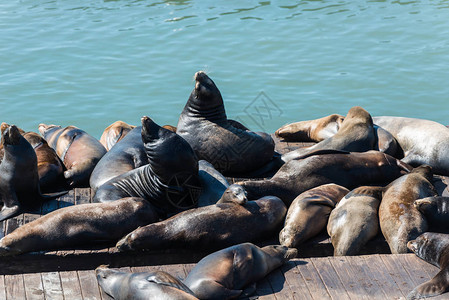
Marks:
<point>69,273</point>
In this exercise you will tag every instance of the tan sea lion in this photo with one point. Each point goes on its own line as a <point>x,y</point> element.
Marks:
<point>434,249</point>
<point>210,227</point>
<point>79,225</point>
<point>327,166</point>
<point>308,214</point>
<point>355,220</point>
<point>114,133</point>
<point>79,151</point>
<point>422,141</point>
<point>155,285</point>
<point>225,273</point>
<point>399,220</point>
<point>356,134</point>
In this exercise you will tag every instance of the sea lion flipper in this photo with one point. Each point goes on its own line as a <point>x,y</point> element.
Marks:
<point>168,280</point>
<point>50,196</point>
<point>9,212</point>
<point>211,287</point>
<point>249,290</point>
<point>436,286</point>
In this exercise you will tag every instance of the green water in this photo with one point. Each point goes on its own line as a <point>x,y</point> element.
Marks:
<point>90,63</point>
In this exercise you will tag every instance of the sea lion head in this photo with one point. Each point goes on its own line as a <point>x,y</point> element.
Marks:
<point>425,171</point>
<point>235,193</point>
<point>45,129</point>
<point>359,114</point>
<point>282,252</point>
<point>11,135</point>
<point>429,246</point>
<point>205,96</point>
<point>108,279</point>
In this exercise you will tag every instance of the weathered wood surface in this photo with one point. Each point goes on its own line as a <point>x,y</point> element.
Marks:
<point>359,277</point>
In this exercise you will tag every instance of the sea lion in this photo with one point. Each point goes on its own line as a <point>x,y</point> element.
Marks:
<point>422,141</point>
<point>211,227</point>
<point>79,151</point>
<point>213,184</point>
<point>355,220</point>
<point>79,225</point>
<point>436,211</point>
<point>311,130</point>
<point>203,123</point>
<point>114,133</point>
<point>434,249</point>
<point>157,285</point>
<point>170,180</point>
<point>19,178</point>
<point>308,214</point>
<point>324,128</point>
<point>346,169</point>
<point>49,166</point>
<point>399,220</point>
<point>128,154</point>
<point>225,273</point>
<point>356,134</point>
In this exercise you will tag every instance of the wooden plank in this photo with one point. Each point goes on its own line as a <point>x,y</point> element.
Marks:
<point>52,286</point>
<point>34,289</point>
<point>82,196</point>
<point>279,285</point>
<point>264,290</point>
<point>414,268</point>
<point>295,281</point>
<point>376,268</point>
<point>67,199</point>
<point>176,270</point>
<point>330,278</point>
<point>14,287</point>
<point>348,277</point>
<point>372,289</point>
<point>89,286</point>
<point>13,224</point>
<point>70,283</point>
<point>188,268</point>
<point>312,279</point>
<point>2,287</point>
<point>397,272</point>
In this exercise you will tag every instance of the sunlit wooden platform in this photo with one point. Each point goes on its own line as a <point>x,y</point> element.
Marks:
<point>359,277</point>
<point>69,273</point>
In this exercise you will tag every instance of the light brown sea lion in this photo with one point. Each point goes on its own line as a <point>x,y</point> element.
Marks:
<point>204,125</point>
<point>225,273</point>
<point>422,141</point>
<point>49,166</point>
<point>79,151</point>
<point>155,285</point>
<point>356,134</point>
<point>399,220</point>
<point>434,249</point>
<point>79,225</point>
<point>19,178</point>
<point>114,133</point>
<point>308,214</point>
<point>346,169</point>
<point>355,220</point>
<point>210,227</point>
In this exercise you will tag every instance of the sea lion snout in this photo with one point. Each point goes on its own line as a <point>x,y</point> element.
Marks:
<point>421,204</point>
<point>412,245</point>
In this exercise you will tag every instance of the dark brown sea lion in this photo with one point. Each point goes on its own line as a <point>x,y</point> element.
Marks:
<point>346,169</point>
<point>311,130</point>
<point>128,154</point>
<point>19,178</point>
<point>355,220</point>
<point>436,211</point>
<point>203,123</point>
<point>213,184</point>
<point>156,285</point>
<point>308,214</point>
<point>114,133</point>
<point>225,273</point>
<point>49,166</point>
<point>399,220</point>
<point>79,151</point>
<point>423,141</point>
<point>211,227</point>
<point>83,224</point>
<point>434,249</point>
<point>170,180</point>
<point>356,134</point>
